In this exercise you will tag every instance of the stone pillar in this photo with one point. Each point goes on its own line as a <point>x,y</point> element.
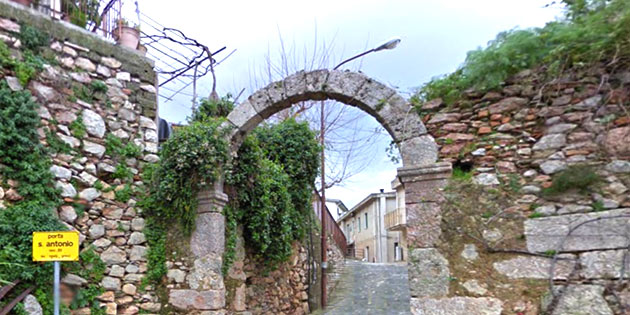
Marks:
<point>209,234</point>
<point>428,269</point>
<point>206,291</point>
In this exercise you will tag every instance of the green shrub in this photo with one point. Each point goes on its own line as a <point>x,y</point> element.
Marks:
<point>82,92</point>
<point>131,150</point>
<point>263,204</point>
<point>575,177</point>
<point>155,232</point>
<point>123,195</point>
<point>55,144</point>
<point>598,206</point>
<point>24,159</point>
<point>6,60</point>
<point>191,158</point>
<point>273,182</point>
<point>78,128</point>
<point>98,86</point>
<point>123,172</point>
<point>593,30</point>
<point>24,70</point>
<point>461,175</point>
<point>209,109</point>
<point>114,147</point>
<point>32,38</point>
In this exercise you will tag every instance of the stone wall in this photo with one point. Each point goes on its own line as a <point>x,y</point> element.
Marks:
<point>250,287</point>
<point>336,264</point>
<point>93,202</point>
<point>517,141</point>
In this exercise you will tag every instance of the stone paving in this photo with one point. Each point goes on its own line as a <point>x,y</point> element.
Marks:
<point>370,288</point>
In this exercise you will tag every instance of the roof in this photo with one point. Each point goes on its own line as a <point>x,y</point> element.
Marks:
<point>389,194</point>
<point>339,203</point>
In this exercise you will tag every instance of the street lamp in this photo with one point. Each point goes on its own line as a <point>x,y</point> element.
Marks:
<point>385,46</point>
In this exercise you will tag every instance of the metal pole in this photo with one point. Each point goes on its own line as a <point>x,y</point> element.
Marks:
<point>323,208</point>
<point>352,58</point>
<point>194,100</point>
<point>56,287</point>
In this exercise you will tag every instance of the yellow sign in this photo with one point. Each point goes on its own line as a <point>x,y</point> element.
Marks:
<point>56,246</point>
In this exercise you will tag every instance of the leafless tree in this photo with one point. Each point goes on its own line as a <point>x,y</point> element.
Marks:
<point>350,141</point>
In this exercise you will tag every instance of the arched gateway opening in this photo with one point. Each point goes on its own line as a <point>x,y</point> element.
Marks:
<point>420,175</point>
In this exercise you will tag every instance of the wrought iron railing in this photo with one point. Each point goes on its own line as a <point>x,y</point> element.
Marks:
<point>98,16</point>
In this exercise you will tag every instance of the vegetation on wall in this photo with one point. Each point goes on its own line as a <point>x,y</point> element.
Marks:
<point>575,177</point>
<point>25,164</point>
<point>592,31</point>
<point>272,181</point>
<point>190,159</point>
<point>24,160</point>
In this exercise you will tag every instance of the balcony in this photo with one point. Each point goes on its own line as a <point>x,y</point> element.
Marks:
<point>396,220</point>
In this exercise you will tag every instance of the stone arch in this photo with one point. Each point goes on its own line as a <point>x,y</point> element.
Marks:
<point>391,110</point>
<point>421,177</point>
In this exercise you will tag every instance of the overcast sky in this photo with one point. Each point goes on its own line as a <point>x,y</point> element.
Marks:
<point>435,35</point>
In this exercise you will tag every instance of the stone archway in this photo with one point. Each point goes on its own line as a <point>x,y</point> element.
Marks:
<point>421,176</point>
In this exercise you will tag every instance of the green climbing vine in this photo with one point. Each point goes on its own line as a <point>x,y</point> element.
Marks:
<point>272,185</point>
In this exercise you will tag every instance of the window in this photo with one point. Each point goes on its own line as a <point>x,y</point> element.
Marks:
<point>366,221</point>
<point>359,229</point>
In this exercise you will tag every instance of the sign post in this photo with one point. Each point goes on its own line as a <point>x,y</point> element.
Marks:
<point>56,247</point>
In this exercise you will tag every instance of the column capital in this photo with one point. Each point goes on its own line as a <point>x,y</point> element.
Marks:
<point>435,171</point>
<point>211,200</point>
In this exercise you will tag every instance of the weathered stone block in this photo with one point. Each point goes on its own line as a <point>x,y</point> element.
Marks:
<point>113,256</point>
<point>399,119</point>
<point>616,142</point>
<point>245,117</point>
<point>604,264</point>
<point>534,268</point>
<point>425,191</point>
<point>552,141</point>
<point>457,306</point>
<point>206,273</point>
<point>94,124</point>
<point>580,300</point>
<point>423,224</point>
<point>604,230</point>
<point>197,300</point>
<point>374,95</point>
<point>507,105</point>
<point>419,151</point>
<point>209,234</point>
<point>428,273</point>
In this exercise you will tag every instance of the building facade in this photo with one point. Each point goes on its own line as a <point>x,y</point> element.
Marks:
<point>395,222</point>
<point>366,232</point>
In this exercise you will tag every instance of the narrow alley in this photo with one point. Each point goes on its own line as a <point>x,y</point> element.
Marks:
<point>370,288</point>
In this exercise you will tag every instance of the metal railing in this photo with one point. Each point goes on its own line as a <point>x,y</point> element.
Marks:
<point>6,308</point>
<point>332,228</point>
<point>97,16</point>
<point>396,219</point>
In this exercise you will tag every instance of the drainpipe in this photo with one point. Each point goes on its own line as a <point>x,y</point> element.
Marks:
<point>381,233</point>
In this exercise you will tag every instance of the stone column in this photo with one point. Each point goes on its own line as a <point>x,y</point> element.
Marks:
<point>206,291</point>
<point>209,234</point>
<point>428,269</point>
